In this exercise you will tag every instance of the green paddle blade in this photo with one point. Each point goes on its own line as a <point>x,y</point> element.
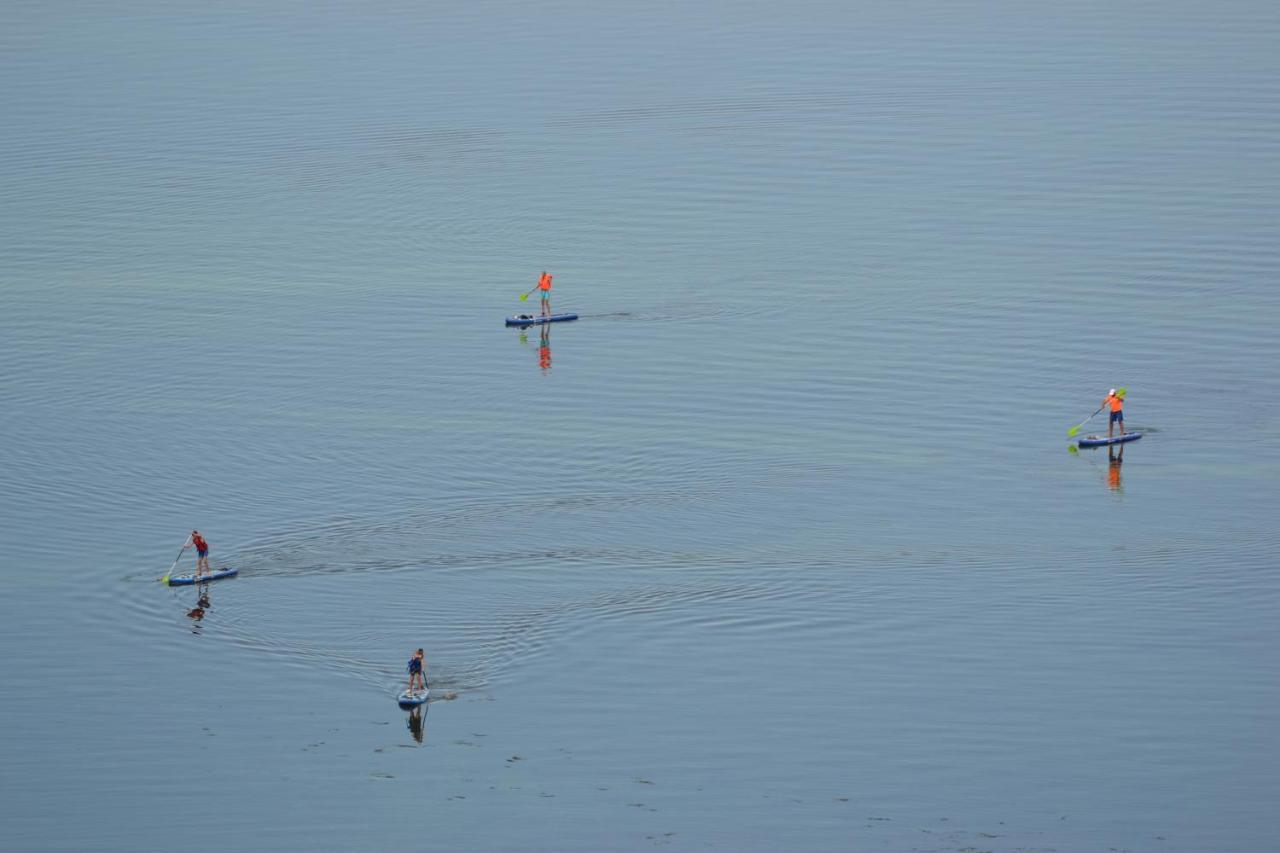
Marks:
<point>524,297</point>
<point>1120,392</point>
<point>1072,431</point>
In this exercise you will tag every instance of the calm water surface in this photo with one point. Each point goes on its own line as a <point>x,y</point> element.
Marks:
<point>779,547</point>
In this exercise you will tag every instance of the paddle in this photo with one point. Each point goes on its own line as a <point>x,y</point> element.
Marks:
<point>1120,392</point>
<point>1075,429</point>
<point>524,297</point>
<point>186,543</point>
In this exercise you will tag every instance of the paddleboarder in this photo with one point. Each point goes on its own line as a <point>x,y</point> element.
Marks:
<point>417,671</point>
<point>202,552</point>
<point>1116,402</point>
<point>544,292</point>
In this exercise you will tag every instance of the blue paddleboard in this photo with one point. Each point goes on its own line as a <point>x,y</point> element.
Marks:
<point>215,575</point>
<point>523,320</point>
<point>407,700</point>
<point>1103,441</point>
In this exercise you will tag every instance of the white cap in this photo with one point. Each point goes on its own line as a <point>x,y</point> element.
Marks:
<point>1111,393</point>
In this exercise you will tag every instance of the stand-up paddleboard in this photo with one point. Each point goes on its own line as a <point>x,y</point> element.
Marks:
<point>1103,441</point>
<point>413,700</point>
<point>216,575</point>
<point>535,319</point>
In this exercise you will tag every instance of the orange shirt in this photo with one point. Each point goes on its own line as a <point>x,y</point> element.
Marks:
<point>544,283</point>
<point>1117,403</point>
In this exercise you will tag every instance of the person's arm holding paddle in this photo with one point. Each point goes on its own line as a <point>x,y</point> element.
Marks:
<point>1118,394</point>
<point>542,279</point>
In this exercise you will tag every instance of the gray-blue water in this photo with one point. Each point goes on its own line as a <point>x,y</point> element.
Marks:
<point>779,547</point>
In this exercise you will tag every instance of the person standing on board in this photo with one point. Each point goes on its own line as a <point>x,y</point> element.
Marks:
<point>544,291</point>
<point>1116,402</point>
<point>417,671</point>
<point>202,552</point>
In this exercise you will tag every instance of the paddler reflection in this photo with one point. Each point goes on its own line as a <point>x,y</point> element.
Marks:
<point>544,348</point>
<point>544,345</point>
<point>1115,458</point>
<point>196,614</point>
<point>415,722</point>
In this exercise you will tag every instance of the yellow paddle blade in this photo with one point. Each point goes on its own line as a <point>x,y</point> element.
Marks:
<point>1120,392</point>
<point>1072,431</point>
<point>524,297</point>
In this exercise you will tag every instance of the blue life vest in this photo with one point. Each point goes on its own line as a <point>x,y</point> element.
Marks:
<point>415,665</point>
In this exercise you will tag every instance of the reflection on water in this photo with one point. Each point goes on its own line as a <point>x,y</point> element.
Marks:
<point>544,348</point>
<point>1115,461</point>
<point>1115,458</point>
<point>251,261</point>
<point>203,603</point>
<point>544,345</point>
<point>417,716</point>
